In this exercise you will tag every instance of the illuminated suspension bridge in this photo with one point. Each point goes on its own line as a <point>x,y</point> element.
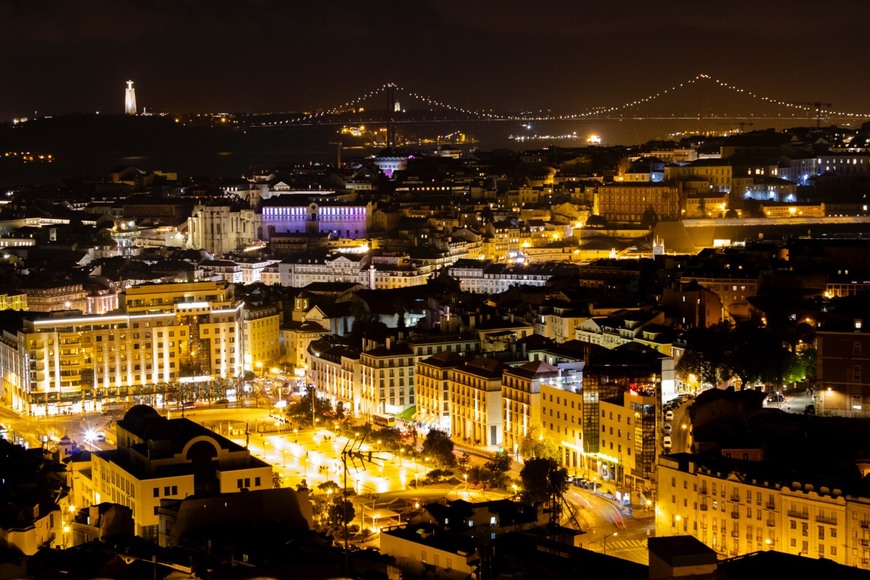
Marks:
<point>700,97</point>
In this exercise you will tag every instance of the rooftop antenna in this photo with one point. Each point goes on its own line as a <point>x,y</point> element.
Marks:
<point>352,451</point>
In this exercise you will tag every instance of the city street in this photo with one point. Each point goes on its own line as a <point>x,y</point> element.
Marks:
<point>385,484</point>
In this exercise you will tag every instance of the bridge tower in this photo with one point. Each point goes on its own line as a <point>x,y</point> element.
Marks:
<point>391,107</point>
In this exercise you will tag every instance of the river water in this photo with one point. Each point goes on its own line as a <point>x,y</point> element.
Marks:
<point>259,149</point>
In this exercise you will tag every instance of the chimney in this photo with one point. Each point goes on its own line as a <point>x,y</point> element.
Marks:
<point>388,344</point>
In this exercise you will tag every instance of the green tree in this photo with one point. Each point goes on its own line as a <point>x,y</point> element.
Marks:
<point>535,446</point>
<point>300,411</point>
<point>543,480</point>
<point>744,346</point>
<point>439,446</point>
<point>705,356</point>
<point>499,466</point>
<point>389,438</point>
<point>500,463</point>
<point>339,513</point>
<point>277,479</point>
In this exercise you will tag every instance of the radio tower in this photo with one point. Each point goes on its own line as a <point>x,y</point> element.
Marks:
<point>130,99</point>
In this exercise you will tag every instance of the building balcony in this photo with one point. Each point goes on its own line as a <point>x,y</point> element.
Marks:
<point>797,514</point>
<point>735,515</point>
<point>826,520</point>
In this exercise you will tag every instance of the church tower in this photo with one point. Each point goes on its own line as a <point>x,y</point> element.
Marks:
<point>130,99</point>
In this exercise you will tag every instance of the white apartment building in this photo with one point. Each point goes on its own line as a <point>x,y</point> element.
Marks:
<point>484,277</point>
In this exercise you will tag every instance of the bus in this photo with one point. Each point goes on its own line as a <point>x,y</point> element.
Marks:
<point>383,420</point>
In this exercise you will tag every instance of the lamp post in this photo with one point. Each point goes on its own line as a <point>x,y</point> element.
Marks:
<point>605,540</point>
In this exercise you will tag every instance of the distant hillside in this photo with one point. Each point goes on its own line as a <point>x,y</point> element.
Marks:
<point>94,144</point>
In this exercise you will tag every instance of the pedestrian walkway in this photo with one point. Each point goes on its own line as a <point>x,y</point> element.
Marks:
<point>614,544</point>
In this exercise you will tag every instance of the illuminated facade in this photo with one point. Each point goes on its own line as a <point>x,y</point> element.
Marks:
<point>53,297</point>
<point>843,369</point>
<point>627,448</point>
<point>171,337</point>
<point>484,277</point>
<point>220,228</point>
<point>521,400</point>
<point>630,202</point>
<point>476,402</point>
<point>433,389</point>
<point>741,507</point>
<point>297,214</point>
<point>158,458</point>
<point>387,374</point>
<point>262,334</point>
<point>335,371</point>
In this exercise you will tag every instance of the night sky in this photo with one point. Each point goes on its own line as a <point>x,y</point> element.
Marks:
<point>290,55</point>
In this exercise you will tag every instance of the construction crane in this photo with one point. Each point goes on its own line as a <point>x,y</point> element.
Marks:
<point>819,107</point>
<point>740,124</point>
<point>337,154</point>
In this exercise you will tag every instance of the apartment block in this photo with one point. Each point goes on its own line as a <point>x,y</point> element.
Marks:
<point>476,402</point>
<point>740,507</point>
<point>432,381</point>
<point>521,398</point>
<point>169,335</point>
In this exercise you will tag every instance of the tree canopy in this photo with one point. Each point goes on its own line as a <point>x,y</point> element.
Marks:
<point>542,480</point>
<point>439,446</point>
<point>535,446</point>
<point>748,352</point>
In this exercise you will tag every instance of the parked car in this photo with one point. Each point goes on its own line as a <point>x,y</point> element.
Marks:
<point>667,428</point>
<point>810,410</point>
<point>666,442</point>
<point>669,415</point>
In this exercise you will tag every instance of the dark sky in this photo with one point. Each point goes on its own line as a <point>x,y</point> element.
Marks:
<point>61,56</point>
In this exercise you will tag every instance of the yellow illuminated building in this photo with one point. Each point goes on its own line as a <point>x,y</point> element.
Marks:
<point>158,458</point>
<point>742,507</point>
<point>431,380</point>
<point>562,419</point>
<point>171,337</point>
<point>476,402</point>
<point>521,396</point>
<point>15,301</point>
<point>262,332</point>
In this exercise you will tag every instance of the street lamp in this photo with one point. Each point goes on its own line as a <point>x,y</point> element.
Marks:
<point>605,540</point>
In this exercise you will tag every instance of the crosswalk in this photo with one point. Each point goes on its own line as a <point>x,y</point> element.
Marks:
<point>614,545</point>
